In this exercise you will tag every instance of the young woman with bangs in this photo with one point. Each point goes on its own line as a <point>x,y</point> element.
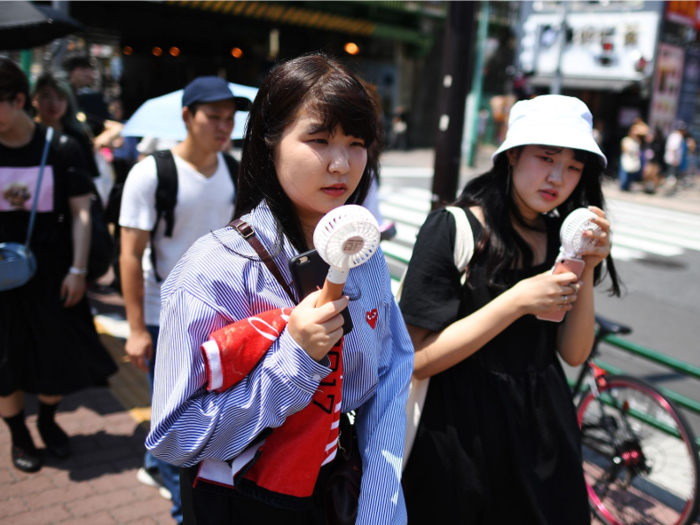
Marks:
<point>498,440</point>
<point>310,146</point>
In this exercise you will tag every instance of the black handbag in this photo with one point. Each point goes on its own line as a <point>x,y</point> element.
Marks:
<point>343,486</point>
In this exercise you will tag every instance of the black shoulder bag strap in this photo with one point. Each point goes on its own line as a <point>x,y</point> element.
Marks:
<point>248,233</point>
<point>166,198</point>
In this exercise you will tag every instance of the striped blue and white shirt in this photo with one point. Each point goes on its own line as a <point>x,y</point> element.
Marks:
<point>221,280</point>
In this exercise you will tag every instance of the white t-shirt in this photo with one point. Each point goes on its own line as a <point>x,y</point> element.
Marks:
<point>203,204</point>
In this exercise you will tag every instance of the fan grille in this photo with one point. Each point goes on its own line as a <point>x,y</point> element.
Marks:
<point>571,233</point>
<point>347,236</point>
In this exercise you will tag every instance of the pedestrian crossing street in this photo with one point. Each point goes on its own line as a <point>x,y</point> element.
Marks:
<point>639,231</point>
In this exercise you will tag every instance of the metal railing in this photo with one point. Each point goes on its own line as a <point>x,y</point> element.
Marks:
<point>625,345</point>
<point>655,357</point>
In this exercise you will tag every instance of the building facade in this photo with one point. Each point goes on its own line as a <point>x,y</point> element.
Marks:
<point>602,52</point>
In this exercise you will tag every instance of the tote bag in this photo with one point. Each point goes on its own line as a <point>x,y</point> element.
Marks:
<point>464,249</point>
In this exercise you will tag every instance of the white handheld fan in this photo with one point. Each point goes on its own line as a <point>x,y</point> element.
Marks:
<point>345,237</point>
<point>573,243</point>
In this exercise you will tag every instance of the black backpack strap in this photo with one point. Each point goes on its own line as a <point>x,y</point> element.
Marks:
<point>166,198</point>
<point>232,165</point>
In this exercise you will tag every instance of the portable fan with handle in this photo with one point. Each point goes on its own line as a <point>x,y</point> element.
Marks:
<point>573,244</point>
<point>346,237</point>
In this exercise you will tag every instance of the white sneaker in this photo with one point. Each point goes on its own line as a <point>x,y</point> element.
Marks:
<point>165,493</point>
<point>145,477</point>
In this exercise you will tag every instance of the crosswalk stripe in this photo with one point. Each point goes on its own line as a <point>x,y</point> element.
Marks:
<point>406,172</point>
<point>397,251</point>
<point>649,223</point>
<point>658,214</point>
<point>638,230</point>
<point>664,238</point>
<point>620,253</point>
<point>645,245</point>
<point>406,233</point>
<point>418,193</point>
<point>402,215</point>
<point>407,201</point>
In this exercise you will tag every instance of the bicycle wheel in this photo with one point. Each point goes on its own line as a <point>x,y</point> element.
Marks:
<point>639,455</point>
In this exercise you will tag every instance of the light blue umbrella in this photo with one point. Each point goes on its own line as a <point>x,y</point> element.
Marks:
<point>161,117</point>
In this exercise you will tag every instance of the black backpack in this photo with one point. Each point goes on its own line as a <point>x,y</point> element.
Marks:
<point>166,194</point>
<point>166,199</point>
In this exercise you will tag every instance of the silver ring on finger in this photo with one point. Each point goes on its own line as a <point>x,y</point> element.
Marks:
<point>566,299</point>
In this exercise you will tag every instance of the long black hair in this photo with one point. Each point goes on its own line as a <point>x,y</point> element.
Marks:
<point>324,87</point>
<point>502,247</point>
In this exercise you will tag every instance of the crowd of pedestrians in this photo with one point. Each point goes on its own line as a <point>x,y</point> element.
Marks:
<point>654,159</point>
<point>497,418</point>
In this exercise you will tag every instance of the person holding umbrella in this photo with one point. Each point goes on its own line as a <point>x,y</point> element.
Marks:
<point>150,247</point>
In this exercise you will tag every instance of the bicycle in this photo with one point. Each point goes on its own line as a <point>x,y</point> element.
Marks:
<point>640,458</point>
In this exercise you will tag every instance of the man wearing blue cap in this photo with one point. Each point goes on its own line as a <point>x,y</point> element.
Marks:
<point>170,199</point>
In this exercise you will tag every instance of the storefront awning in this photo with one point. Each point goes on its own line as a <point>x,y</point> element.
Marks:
<point>593,84</point>
<point>302,15</point>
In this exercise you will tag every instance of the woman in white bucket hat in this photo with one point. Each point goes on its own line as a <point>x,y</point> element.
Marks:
<point>498,440</point>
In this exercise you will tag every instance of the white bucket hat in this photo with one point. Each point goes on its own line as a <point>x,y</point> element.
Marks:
<point>551,120</point>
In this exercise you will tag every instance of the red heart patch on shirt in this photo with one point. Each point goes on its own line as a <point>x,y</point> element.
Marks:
<point>372,318</point>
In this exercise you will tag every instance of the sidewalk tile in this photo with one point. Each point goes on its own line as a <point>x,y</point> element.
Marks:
<point>143,521</point>
<point>6,476</point>
<point>104,455</point>
<point>142,509</point>
<point>72,492</point>
<point>163,518</point>
<point>145,493</point>
<point>115,481</point>
<point>26,487</point>
<point>104,501</point>
<point>99,518</point>
<point>12,506</point>
<point>46,516</point>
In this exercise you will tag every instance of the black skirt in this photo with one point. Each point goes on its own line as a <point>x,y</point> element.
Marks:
<point>44,347</point>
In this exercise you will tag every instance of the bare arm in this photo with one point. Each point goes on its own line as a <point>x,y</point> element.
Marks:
<point>73,286</point>
<point>438,351</point>
<point>133,244</point>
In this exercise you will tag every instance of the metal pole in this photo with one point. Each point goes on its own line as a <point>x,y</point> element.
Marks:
<point>556,81</point>
<point>477,84</point>
<point>456,82</point>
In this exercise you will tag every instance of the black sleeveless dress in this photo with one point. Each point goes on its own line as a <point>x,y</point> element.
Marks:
<point>498,442</point>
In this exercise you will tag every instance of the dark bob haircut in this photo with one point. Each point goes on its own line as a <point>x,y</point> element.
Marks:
<point>13,81</point>
<point>323,87</point>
